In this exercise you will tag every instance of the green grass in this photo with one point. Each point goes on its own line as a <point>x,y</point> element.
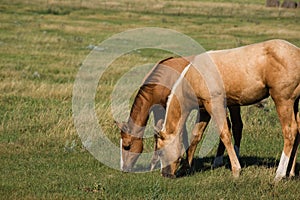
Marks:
<point>43,44</point>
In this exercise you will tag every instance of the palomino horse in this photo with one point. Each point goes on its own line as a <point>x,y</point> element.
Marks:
<point>152,96</point>
<point>240,76</point>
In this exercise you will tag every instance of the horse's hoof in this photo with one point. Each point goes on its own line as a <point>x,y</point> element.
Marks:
<point>278,178</point>
<point>236,173</point>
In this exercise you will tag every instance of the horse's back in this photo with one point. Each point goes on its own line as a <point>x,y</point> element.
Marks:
<point>249,72</point>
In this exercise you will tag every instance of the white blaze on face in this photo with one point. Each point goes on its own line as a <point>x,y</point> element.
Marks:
<point>121,157</point>
<point>282,167</point>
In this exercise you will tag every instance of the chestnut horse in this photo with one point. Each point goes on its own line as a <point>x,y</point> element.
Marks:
<point>240,76</point>
<point>152,96</point>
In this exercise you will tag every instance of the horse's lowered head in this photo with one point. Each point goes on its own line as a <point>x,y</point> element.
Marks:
<point>169,147</point>
<point>131,146</point>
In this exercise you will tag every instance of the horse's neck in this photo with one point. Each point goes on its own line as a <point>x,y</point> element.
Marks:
<point>139,113</point>
<point>173,116</point>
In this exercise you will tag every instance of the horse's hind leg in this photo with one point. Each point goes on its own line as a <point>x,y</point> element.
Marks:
<point>294,155</point>
<point>216,109</point>
<point>297,140</point>
<point>290,129</point>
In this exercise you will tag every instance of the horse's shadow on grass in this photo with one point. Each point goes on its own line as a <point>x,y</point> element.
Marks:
<point>205,164</point>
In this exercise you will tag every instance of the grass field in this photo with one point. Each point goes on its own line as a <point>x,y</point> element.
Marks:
<point>44,43</point>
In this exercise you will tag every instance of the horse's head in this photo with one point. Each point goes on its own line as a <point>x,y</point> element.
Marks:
<point>130,147</point>
<point>170,150</point>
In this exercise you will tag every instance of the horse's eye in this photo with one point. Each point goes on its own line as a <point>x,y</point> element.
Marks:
<point>127,148</point>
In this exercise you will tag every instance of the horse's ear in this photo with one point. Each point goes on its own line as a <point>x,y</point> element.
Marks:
<point>156,131</point>
<point>123,126</point>
<point>160,124</point>
<point>158,128</point>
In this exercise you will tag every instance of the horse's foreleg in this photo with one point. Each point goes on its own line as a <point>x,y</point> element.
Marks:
<point>237,128</point>
<point>185,139</point>
<point>289,129</point>
<point>226,139</point>
<point>159,114</point>
<point>197,134</point>
<point>155,156</point>
<point>217,110</point>
<point>218,161</point>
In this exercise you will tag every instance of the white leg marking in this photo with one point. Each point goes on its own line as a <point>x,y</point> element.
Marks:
<point>218,161</point>
<point>121,157</point>
<point>282,167</point>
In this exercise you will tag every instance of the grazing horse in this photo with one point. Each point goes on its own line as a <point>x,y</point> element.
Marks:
<point>152,96</point>
<point>240,76</point>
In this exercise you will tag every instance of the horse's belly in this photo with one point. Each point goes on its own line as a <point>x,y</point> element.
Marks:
<point>247,96</point>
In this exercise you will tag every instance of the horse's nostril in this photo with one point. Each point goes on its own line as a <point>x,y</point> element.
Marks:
<point>127,148</point>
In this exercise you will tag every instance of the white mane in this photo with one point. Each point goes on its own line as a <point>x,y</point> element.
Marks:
<point>178,81</point>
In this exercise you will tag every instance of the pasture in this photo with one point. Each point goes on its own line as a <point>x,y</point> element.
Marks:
<point>44,43</point>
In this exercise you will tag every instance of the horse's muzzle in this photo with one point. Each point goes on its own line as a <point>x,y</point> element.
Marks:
<point>126,169</point>
<point>172,176</point>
